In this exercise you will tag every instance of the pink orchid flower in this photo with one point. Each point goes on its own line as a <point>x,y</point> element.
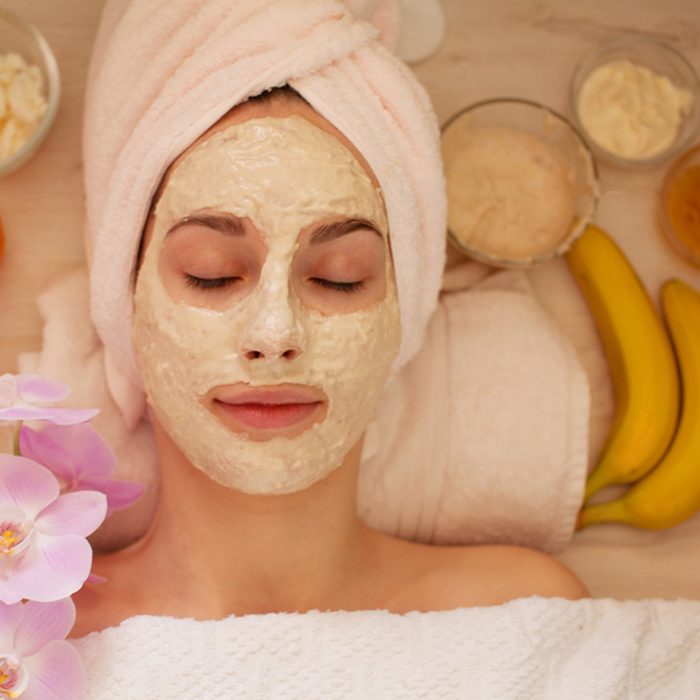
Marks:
<point>20,394</point>
<point>44,555</point>
<point>81,460</point>
<point>36,663</point>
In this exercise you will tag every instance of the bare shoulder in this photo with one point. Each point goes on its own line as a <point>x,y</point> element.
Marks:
<point>527,572</point>
<point>489,575</point>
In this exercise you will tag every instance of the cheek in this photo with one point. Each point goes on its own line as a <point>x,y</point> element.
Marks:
<point>357,347</point>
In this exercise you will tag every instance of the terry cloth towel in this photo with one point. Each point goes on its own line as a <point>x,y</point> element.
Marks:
<point>169,71</point>
<point>482,437</point>
<point>544,648</point>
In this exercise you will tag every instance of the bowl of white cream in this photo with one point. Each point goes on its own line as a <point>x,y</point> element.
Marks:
<point>521,183</point>
<point>29,90</point>
<point>636,101</point>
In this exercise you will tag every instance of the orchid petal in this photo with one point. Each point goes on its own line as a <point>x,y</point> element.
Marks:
<point>8,595</point>
<point>91,454</point>
<point>60,416</point>
<point>8,567</point>
<point>77,513</point>
<point>26,485</point>
<point>53,568</point>
<point>55,673</point>
<point>120,494</point>
<point>34,388</point>
<point>10,617</point>
<point>43,623</point>
<point>43,447</point>
<point>69,450</point>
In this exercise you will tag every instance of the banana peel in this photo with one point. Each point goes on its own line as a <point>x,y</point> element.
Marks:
<point>670,493</point>
<point>640,358</point>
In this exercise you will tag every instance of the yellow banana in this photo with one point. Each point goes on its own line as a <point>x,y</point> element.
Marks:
<point>671,492</point>
<point>640,359</point>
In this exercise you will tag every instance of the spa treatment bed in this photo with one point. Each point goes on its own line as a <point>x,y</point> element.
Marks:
<point>639,635</point>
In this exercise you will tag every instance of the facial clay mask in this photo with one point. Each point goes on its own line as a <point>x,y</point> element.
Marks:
<point>284,175</point>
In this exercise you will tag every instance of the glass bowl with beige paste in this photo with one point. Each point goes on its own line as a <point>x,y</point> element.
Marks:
<point>30,90</point>
<point>521,183</point>
<point>635,100</point>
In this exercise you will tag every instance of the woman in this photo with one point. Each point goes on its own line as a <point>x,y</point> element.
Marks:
<point>266,322</point>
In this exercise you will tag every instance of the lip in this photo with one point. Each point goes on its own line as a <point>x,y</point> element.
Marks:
<point>272,395</point>
<point>269,408</point>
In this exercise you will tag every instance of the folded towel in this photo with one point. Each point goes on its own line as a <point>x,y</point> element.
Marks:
<point>170,73</point>
<point>545,648</point>
<point>482,436</point>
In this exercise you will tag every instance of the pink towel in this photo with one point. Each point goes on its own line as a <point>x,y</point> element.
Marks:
<point>161,74</point>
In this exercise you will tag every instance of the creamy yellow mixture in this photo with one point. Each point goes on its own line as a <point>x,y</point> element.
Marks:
<point>22,103</point>
<point>630,110</point>
<point>510,194</point>
<point>285,174</point>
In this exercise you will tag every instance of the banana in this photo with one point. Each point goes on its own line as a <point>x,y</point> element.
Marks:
<point>671,492</point>
<point>640,359</point>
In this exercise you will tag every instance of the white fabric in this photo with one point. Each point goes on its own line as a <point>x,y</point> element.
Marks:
<point>481,438</point>
<point>533,648</point>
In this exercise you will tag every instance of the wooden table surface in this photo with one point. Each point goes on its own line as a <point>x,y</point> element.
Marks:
<point>520,48</point>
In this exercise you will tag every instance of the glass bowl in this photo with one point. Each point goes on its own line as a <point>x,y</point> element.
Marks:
<point>679,206</point>
<point>523,212</point>
<point>19,36</point>
<point>626,96</point>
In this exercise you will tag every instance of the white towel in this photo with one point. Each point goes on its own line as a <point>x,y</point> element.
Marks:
<point>533,648</point>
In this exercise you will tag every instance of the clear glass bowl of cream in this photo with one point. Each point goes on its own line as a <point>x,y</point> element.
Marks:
<point>635,100</point>
<point>521,183</point>
<point>29,90</point>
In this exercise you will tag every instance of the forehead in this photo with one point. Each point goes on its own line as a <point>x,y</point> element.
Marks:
<point>282,173</point>
<point>287,160</point>
<point>273,108</point>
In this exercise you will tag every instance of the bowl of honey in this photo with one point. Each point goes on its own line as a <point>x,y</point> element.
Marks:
<point>679,207</point>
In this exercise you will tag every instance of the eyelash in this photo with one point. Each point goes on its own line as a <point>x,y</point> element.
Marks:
<point>345,287</point>
<point>213,283</point>
<point>221,282</point>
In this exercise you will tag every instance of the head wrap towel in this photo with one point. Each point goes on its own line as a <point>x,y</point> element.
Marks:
<point>163,72</point>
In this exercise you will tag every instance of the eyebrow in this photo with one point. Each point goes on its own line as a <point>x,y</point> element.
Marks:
<point>231,225</point>
<point>227,224</point>
<point>336,229</point>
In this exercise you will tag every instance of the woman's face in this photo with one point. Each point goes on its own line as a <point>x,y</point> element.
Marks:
<point>266,317</point>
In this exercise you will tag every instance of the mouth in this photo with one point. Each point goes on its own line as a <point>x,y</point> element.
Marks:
<point>270,408</point>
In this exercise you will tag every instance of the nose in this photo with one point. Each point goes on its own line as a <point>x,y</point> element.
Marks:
<point>289,352</point>
<point>274,331</point>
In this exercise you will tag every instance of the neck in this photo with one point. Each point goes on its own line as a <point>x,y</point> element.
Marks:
<point>243,553</point>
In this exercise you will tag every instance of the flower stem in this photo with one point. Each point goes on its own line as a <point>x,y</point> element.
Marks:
<point>15,439</point>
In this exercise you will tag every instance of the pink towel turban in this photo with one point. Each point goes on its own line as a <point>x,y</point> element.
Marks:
<point>163,72</point>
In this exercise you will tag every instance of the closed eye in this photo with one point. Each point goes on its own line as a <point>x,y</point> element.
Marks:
<point>346,287</point>
<point>209,283</point>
